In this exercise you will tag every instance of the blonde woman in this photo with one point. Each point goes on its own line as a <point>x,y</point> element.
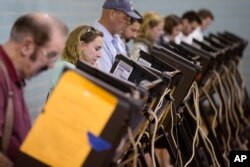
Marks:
<point>83,44</point>
<point>150,32</point>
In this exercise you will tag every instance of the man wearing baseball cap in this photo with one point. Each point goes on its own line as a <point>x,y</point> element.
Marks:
<point>114,19</point>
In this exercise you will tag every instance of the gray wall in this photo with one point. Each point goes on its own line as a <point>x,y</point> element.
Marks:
<point>232,15</point>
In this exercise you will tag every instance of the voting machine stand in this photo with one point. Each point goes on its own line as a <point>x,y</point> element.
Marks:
<point>150,79</point>
<point>190,70</point>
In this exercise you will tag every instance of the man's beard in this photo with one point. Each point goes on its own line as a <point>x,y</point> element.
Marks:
<point>127,40</point>
<point>42,69</point>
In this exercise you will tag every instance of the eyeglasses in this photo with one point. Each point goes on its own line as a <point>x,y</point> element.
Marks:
<point>52,56</point>
<point>125,16</point>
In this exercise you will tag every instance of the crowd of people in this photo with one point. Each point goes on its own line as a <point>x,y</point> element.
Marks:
<point>37,40</point>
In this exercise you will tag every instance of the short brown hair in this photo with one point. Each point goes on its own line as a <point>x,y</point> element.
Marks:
<point>205,13</point>
<point>170,22</point>
<point>191,16</point>
<point>40,30</point>
<point>28,25</point>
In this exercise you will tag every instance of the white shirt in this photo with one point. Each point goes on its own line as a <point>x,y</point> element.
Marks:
<point>178,38</point>
<point>136,49</point>
<point>188,39</point>
<point>197,34</point>
<point>182,38</point>
<point>108,50</point>
<point>166,38</point>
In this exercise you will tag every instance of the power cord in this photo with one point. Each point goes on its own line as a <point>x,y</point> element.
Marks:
<point>234,96</point>
<point>174,119</point>
<point>131,138</point>
<point>226,110</point>
<point>214,108</point>
<point>159,105</point>
<point>135,146</point>
<point>195,99</point>
<point>153,137</point>
<point>241,88</point>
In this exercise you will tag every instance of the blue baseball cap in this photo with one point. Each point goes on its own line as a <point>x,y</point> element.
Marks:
<point>121,5</point>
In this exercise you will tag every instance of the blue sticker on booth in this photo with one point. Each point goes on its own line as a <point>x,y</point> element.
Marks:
<point>97,143</point>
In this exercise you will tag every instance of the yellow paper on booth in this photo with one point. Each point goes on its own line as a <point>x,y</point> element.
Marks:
<point>59,136</point>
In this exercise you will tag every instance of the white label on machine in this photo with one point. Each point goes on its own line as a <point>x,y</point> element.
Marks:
<point>144,62</point>
<point>123,70</point>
